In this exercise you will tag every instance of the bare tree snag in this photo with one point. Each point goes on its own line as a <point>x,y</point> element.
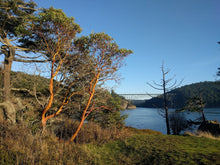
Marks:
<point>165,85</point>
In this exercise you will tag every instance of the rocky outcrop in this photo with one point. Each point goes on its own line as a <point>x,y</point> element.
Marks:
<point>9,111</point>
<point>127,105</point>
<point>131,107</point>
<point>124,104</point>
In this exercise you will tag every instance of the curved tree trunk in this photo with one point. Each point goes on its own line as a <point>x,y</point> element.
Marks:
<point>44,118</point>
<point>84,115</point>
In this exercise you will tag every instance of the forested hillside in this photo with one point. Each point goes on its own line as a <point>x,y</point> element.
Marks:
<point>210,92</point>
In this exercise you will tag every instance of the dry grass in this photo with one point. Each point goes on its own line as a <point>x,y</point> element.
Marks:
<point>202,134</point>
<point>18,144</point>
<point>89,133</point>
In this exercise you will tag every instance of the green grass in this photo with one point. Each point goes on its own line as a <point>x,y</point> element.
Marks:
<point>158,149</point>
<point>142,131</point>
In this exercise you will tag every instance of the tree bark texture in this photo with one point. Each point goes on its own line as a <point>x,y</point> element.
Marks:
<point>9,109</point>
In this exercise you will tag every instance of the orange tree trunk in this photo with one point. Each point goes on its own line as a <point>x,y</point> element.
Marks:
<point>44,119</point>
<point>91,92</point>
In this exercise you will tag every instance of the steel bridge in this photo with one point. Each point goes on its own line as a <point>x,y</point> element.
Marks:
<point>139,96</point>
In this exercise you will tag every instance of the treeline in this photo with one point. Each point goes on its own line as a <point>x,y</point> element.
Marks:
<point>177,98</point>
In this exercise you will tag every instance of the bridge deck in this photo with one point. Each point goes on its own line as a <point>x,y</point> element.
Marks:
<point>139,96</point>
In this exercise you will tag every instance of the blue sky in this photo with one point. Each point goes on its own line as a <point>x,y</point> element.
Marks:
<point>182,33</point>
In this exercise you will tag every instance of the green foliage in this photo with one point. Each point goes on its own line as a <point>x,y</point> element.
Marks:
<point>195,104</point>
<point>111,119</point>
<point>104,54</point>
<point>54,33</point>
<point>115,100</point>
<point>55,18</point>
<point>14,15</point>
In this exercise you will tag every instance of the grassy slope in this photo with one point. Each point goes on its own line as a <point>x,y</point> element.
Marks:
<point>157,149</point>
<point>135,148</point>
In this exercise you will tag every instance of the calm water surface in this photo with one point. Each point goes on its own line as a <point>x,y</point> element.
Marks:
<point>148,118</point>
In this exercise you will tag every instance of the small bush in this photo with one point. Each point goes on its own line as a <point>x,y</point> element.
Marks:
<point>178,122</point>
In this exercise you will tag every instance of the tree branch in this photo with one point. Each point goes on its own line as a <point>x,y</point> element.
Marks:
<point>154,86</point>
<point>21,60</point>
<point>28,57</point>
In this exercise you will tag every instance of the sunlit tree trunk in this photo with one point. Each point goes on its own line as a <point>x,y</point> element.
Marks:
<point>85,111</point>
<point>48,106</point>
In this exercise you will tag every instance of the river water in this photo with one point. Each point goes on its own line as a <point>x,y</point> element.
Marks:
<point>149,118</point>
